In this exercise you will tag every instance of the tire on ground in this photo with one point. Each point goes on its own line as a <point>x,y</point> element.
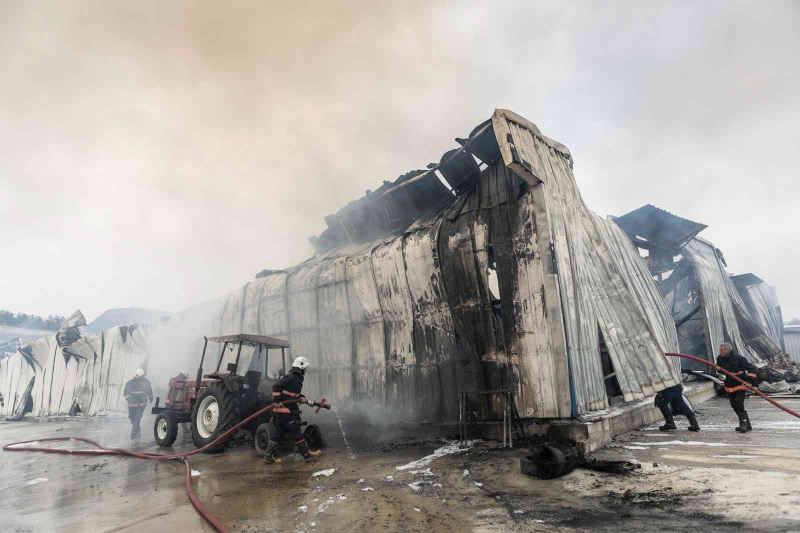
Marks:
<point>165,430</point>
<point>205,430</point>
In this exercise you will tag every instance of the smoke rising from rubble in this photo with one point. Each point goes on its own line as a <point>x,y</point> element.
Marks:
<point>160,154</point>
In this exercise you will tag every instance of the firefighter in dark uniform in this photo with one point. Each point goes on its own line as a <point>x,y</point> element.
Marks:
<point>739,366</point>
<point>287,417</point>
<point>138,394</point>
<point>672,401</point>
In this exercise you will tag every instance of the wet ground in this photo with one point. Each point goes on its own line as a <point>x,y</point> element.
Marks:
<point>715,480</point>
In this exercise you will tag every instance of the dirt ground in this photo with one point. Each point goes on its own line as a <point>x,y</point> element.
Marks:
<point>715,480</point>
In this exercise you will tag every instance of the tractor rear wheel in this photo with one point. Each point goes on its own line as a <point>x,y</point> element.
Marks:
<point>215,412</point>
<point>165,430</point>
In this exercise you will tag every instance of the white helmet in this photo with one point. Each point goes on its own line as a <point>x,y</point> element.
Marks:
<point>301,362</point>
<point>139,373</point>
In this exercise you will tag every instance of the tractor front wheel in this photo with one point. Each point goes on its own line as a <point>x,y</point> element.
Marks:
<point>215,412</point>
<point>165,430</point>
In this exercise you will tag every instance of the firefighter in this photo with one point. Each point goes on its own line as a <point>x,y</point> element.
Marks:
<point>672,401</point>
<point>738,365</point>
<point>138,394</point>
<point>287,417</point>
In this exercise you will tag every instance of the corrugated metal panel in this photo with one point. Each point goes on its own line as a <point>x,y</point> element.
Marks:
<point>368,330</point>
<point>591,284</point>
<point>762,304</point>
<point>336,354</point>
<point>791,337</point>
<point>301,290</point>
<point>536,373</point>
<point>398,321</point>
<point>648,299</point>
<point>720,317</point>
<point>434,332</point>
<point>17,377</point>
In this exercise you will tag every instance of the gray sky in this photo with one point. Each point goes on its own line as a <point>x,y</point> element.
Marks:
<point>158,154</point>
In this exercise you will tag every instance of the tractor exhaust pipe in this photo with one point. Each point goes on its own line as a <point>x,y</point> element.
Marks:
<point>200,368</point>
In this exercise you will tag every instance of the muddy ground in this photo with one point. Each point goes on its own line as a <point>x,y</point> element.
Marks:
<point>715,480</point>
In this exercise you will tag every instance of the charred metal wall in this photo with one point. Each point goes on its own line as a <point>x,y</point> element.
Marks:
<point>49,378</point>
<point>708,309</point>
<point>761,302</point>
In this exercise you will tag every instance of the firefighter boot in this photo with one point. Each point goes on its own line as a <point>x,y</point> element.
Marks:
<point>747,421</point>
<point>742,427</point>
<point>669,424</point>
<point>693,425</point>
<point>269,453</point>
<point>308,455</point>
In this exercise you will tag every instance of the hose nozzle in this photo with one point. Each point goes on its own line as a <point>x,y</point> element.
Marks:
<point>322,404</point>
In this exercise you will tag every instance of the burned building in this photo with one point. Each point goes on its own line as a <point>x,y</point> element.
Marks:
<point>708,305</point>
<point>484,271</point>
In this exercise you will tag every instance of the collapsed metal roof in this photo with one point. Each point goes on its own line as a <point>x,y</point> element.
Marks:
<point>650,226</point>
<point>395,206</point>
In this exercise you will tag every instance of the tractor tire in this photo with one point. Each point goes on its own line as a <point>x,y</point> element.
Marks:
<point>215,412</point>
<point>313,436</point>
<point>165,430</point>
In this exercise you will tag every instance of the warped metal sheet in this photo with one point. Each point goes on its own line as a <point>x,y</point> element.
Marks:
<point>720,317</point>
<point>396,305</point>
<point>336,355</point>
<point>434,332</point>
<point>590,282</point>
<point>762,304</point>
<point>368,330</point>
<point>301,290</point>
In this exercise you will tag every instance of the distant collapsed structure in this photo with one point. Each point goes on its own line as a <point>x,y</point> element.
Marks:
<point>485,271</point>
<point>709,305</point>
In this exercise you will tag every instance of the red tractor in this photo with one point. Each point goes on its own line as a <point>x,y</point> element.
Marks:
<point>224,398</point>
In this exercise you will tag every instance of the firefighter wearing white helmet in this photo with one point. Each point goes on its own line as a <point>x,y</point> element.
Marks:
<point>138,393</point>
<point>287,394</point>
<point>301,362</point>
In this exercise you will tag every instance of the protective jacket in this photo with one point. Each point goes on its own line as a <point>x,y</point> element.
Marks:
<point>138,392</point>
<point>289,387</point>
<point>736,364</point>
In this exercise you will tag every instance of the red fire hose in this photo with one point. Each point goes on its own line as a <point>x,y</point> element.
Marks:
<point>150,456</point>
<point>737,378</point>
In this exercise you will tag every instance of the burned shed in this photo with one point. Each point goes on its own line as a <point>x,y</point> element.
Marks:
<point>704,301</point>
<point>483,271</point>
